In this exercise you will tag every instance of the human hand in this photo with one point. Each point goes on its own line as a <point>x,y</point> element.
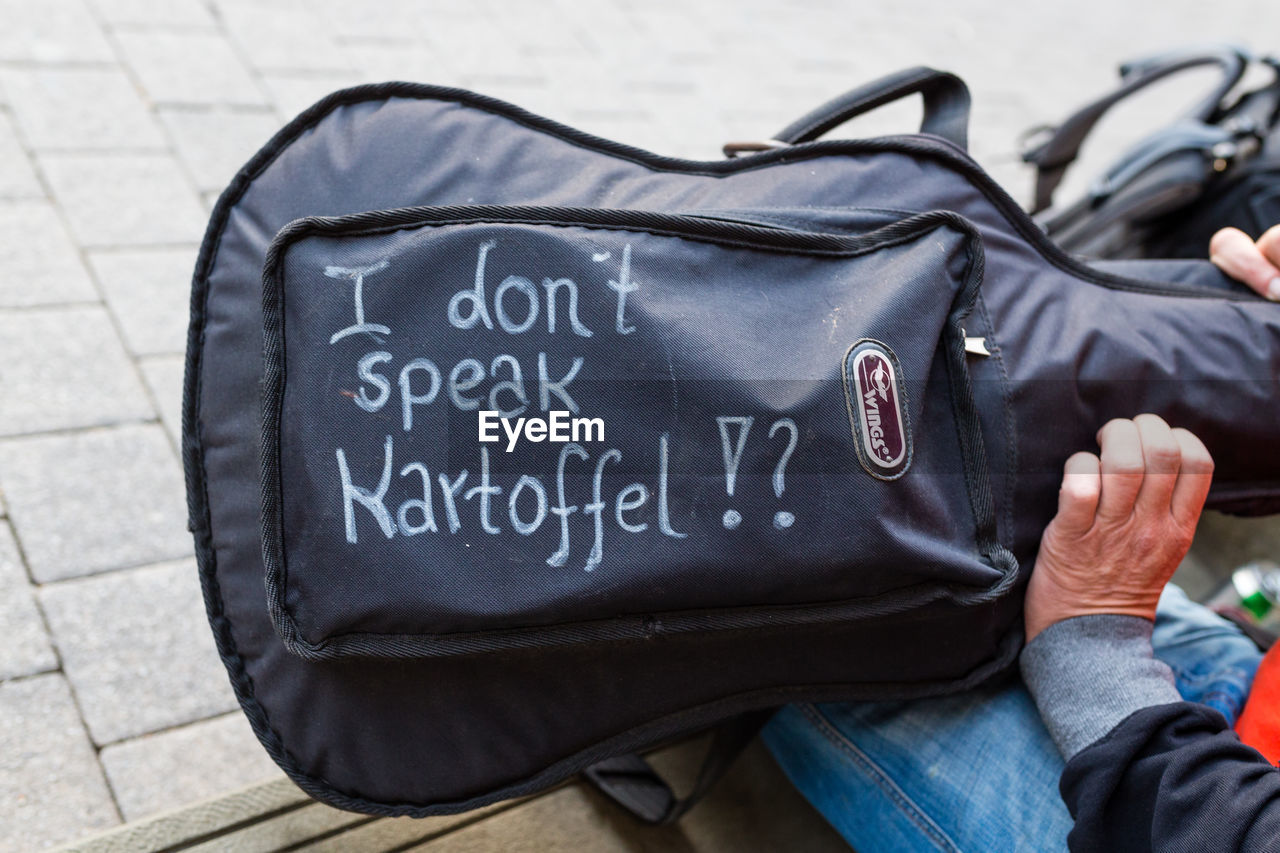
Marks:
<point>1124,523</point>
<point>1255,264</point>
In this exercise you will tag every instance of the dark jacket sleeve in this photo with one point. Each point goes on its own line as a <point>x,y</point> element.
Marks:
<point>1172,777</point>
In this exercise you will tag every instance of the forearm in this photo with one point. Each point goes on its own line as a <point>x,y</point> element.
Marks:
<point>1088,673</point>
<point>1168,778</point>
<point>1145,770</point>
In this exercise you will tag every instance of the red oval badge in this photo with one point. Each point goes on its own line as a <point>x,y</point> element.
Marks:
<point>877,409</point>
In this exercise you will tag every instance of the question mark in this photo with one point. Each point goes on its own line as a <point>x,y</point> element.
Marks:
<point>783,519</point>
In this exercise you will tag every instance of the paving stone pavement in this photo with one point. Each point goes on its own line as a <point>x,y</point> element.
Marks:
<point>120,120</point>
<point>156,772</point>
<point>93,501</point>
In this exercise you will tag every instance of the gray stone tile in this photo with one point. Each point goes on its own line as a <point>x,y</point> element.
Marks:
<point>215,144</point>
<point>26,648</point>
<point>674,114</point>
<point>126,199</point>
<point>17,178</point>
<point>162,771</point>
<point>51,787</point>
<point>291,93</point>
<point>149,292</point>
<point>537,33</point>
<point>79,108</point>
<point>51,31</point>
<point>38,263</point>
<point>592,91</point>
<point>138,650</point>
<point>155,13</point>
<point>453,15</point>
<point>486,58</point>
<point>164,375</point>
<point>188,68</point>
<point>92,501</point>
<point>378,62</point>
<point>399,19</point>
<point>281,36</point>
<point>62,368</point>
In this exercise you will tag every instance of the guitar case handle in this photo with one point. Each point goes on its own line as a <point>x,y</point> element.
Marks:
<point>946,106</point>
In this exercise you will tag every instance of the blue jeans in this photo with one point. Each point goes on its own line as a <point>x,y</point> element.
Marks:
<point>977,771</point>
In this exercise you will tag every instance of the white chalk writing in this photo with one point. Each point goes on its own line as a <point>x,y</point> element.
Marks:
<point>531,400</point>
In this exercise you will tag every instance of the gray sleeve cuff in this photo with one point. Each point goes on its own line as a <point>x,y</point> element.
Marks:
<point>1088,673</point>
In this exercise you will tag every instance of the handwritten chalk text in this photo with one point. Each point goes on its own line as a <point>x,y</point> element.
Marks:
<point>529,501</point>
<point>521,388</point>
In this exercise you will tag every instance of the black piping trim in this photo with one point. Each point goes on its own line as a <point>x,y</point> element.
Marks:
<point>633,626</point>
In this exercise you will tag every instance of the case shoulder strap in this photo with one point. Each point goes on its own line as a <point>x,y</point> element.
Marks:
<point>631,782</point>
<point>1054,155</point>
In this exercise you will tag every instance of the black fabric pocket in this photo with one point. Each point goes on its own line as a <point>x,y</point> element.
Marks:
<point>761,426</point>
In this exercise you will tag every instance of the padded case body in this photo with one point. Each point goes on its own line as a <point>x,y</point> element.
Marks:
<point>780,554</point>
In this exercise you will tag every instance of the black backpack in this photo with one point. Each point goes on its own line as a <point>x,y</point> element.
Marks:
<point>1216,166</point>
<point>836,382</point>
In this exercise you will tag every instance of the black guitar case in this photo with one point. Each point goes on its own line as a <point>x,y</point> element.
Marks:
<point>512,451</point>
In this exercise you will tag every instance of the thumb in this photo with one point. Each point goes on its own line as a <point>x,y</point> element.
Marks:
<point>1078,497</point>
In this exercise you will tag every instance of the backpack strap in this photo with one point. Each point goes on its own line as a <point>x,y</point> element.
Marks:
<point>1258,112</point>
<point>946,106</point>
<point>631,782</point>
<point>1054,155</point>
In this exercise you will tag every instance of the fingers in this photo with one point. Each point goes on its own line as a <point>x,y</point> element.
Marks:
<point>1144,465</point>
<point>1078,497</point>
<point>1161,457</point>
<point>1269,245</point>
<point>1244,260</point>
<point>1194,477</point>
<point>1121,468</point>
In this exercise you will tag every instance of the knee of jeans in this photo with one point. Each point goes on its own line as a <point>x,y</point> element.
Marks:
<point>1175,605</point>
<point>1201,661</point>
<point>1180,620</point>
